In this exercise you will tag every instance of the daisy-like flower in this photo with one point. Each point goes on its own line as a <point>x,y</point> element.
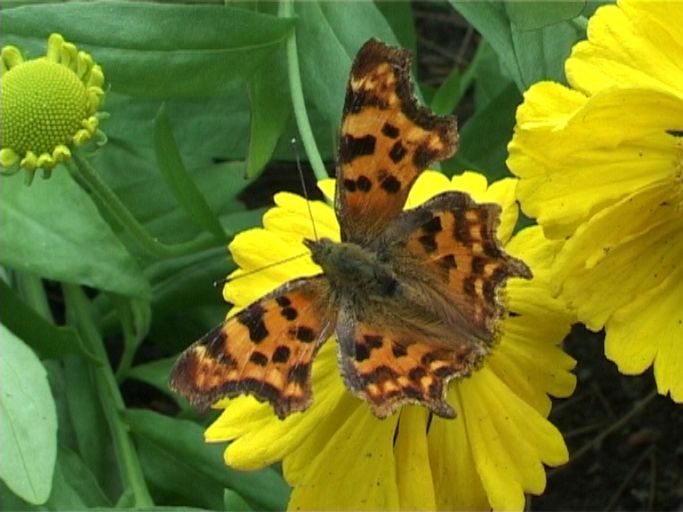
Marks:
<point>48,105</point>
<point>338,455</point>
<point>601,165</point>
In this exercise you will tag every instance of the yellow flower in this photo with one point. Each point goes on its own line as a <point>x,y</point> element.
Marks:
<point>601,165</point>
<point>48,105</point>
<point>338,455</point>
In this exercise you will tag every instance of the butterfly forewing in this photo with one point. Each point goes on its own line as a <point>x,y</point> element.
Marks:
<point>454,239</point>
<point>387,139</point>
<point>266,350</point>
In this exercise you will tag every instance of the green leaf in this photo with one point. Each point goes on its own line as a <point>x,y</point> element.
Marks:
<point>173,454</point>
<point>448,94</point>
<point>452,90</point>
<point>48,340</point>
<point>79,479</point>
<point>28,421</point>
<point>530,15</point>
<point>87,420</point>
<point>541,53</point>
<point>270,108</point>
<point>234,502</point>
<point>155,373</point>
<point>400,16</point>
<point>527,55</point>
<point>484,138</point>
<point>329,34</point>
<point>54,230</point>
<point>178,179</point>
<point>135,316</point>
<point>155,49</point>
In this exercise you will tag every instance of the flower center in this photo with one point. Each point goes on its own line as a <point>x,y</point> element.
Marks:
<point>43,104</point>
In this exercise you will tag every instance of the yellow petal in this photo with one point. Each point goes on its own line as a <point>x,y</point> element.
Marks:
<point>413,472</point>
<point>632,44</point>
<point>547,106</point>
<point>574,170</point>
<point>261,443</point>
<point>650,328</point>
<point>510,445</point>
<point>631,217</point>
<point>456,481</point>
<point>499,475</point>
<point>503,192</point>
<point>354,469</point>
<point>427,185</point>
<point>623,268</point>
<point>247,250</point>
<point>327,187</point>
<point>292,218</point>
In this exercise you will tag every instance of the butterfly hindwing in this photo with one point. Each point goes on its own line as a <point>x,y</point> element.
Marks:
<point>387,139</point>
<point>388,368</point>
<point>265,350</point>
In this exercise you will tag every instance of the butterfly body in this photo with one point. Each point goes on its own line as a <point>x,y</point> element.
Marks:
<point>413,296</point>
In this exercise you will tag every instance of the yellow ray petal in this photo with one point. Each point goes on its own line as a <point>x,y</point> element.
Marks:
<point>623,271</point>
<point>650,328</point>
<point>456,481</point>
<point>354,469</point>
<point>633,44</point>
<point>413,472</point>
<point>573,171</point>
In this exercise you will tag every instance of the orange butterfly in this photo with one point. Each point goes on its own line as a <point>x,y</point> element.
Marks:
<point>411,295</point>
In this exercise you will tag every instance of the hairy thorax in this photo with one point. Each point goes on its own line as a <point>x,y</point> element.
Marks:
<point>349,266</point>
<point>368,280</point>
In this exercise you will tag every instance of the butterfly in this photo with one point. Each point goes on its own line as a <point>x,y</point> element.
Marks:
<point>411,295</point>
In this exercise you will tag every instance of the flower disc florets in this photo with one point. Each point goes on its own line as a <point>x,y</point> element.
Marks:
<point>48,105</point>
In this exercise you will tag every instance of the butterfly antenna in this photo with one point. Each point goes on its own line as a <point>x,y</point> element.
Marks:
<point>220,282</point>
<point>295,147</point>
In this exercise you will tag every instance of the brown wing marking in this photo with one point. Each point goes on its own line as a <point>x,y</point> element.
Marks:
<point>388,369</point>
<point>387,139</point>
<point>455,238</point>
<point>266,350</point>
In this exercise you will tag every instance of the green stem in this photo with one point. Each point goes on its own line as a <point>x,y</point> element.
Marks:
<point>298,102</point>
<point>108,390</point>
<point>32,291</point>
<point>105,197</point>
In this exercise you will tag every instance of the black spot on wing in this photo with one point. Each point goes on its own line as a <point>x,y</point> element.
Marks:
<point>390,130</point>
<point>468,286</point>
<point>428,241</point>
<point>305,334</point>
<point>349,185</point>
<point>351,147</point>
<point>390,184</point>
<point>448,262</point>
<point>299,373</point>
<point>252,319</point>
<point>363,183</point>
<point>397,152</point>
<point>398,350</point>
<point>281,354</point>
<point>283,301</point>
<point>478,264</point>
<point>461,229</point>
<point>433,225</point>
<point>258,358</point>
<point>423,156</point>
